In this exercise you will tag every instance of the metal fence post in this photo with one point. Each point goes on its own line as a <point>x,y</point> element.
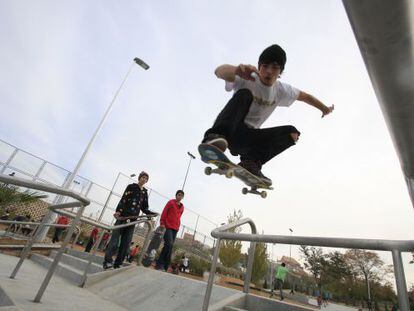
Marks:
<point>6,165</point>
<point>211,277</point>
<point>400,281</point>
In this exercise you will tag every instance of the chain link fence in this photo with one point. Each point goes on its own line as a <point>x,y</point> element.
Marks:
<point>194,231</point>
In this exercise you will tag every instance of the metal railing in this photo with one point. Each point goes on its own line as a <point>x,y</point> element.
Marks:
<point>142,219</point>
<point>80,202</point>
<point>394,246</point>
<point>103,201</point>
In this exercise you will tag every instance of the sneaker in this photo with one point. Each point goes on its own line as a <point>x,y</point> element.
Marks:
<point>107,265</point>
<point>254,168</point>
<point>216,140</point>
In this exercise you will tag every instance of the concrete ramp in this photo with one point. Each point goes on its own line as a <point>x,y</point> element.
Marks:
<point>147,289</point>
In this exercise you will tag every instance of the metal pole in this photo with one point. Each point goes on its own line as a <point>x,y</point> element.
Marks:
<point>188,168</point>
<point>8,161</point>
<point>290,246</point>
<point>404,305</point>
<point>195,229</point>
<point>72,176</point>
<point>59,254</point>
<point>109,196</point>
<point>250,260</point>
<point>211,277</point>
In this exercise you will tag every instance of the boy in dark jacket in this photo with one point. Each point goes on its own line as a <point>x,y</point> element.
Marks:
<point>134,199</point>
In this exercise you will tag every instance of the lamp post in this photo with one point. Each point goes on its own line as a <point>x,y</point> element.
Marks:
<point>290,245</point>
<point>110,194</point>
<point>51,215</point>
<point>192,157</point>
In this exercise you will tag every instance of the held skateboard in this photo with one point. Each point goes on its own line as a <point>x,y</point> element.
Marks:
<point>212,155</point>
<point>153,246</point>
<point>135,218</point>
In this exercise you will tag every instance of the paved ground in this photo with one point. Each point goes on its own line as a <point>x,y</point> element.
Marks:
<point>60,294</point>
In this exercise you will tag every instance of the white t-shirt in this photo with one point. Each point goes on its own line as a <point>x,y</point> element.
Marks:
<point>265,98</point>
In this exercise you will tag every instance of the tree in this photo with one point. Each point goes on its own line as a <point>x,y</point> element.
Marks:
<point>260,263</point>
<point>314,262</point>
<point>10,194</point>
<point>230,250</point>
<point>368,265</point>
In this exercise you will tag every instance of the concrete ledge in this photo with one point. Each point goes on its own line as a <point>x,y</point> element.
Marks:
<point>83,255</point>
<point>254,302</point>
<point>77,263</point>
<point>69,273</point>
<point>92,279</point>
<point>236,300</point>
<point>6,303</point>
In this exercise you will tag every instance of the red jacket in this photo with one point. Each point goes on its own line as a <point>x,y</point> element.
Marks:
<point>63,220</point>
<point>171,215</point>
<point>94,233</point>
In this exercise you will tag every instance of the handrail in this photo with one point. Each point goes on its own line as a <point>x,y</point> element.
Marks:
<point>143,219</point>
<point>394,246</point>
<point>77,217</point>
<point>250,259</point>
<point>42,187</point>
<point>372,244</point>
<point>80,202</point>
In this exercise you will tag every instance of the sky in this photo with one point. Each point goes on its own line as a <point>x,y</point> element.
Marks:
<point>62,62</point>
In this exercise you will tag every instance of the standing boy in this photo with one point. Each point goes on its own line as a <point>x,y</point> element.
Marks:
<point>257,93</point>
<point>170,219</point>
<point>134,200</point>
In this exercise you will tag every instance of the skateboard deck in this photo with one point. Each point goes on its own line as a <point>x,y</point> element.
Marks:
<point>153,246</point>
<point>213,155</point>
<point>134,218</point>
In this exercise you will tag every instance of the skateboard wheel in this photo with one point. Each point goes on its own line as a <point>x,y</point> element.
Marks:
<point>229,174</point>
<point>263,194</point>
<point>245,190</point>
<point>207,170</point>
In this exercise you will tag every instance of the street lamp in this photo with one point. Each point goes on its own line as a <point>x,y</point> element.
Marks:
<point>50,215</point>
<point>110,194</point>
<point>192,157</point>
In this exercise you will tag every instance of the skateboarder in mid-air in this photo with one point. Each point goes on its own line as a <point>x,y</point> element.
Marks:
<point>257,92</point>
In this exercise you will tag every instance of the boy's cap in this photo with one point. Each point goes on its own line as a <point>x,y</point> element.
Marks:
<point>273,53</point>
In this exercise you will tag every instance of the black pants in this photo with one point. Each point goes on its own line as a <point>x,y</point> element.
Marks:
<point>122,236</point>
<point>251,144</point>
<point>165,256</point>
<point>58,233</point>
<point>89,245</point>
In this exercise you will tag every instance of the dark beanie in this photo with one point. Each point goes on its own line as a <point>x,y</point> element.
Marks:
<point>143,174</point>
<point>273,53</point>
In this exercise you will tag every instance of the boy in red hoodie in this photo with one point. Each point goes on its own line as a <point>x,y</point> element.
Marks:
<point>170,219</point>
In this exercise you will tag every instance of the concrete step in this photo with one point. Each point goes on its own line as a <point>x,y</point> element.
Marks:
<point>83,255</point>
<point>231,308</point>
<point>78,263</point>
<point>64,270</point>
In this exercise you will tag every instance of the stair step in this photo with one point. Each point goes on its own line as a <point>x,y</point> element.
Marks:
<point>231,308</point>
<point>83,255</point>
<point>64,270</point>
<point>78,263</point>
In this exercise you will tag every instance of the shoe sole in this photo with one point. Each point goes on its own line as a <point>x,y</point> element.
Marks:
<point>220,143</point>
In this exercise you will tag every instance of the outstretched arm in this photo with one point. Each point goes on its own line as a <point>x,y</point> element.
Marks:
<point>229,72</point>
<point>313,101</point>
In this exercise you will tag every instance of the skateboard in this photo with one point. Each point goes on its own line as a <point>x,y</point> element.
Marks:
<point>134,218</point>
<point>153,246</point>
<point>213,155</point>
